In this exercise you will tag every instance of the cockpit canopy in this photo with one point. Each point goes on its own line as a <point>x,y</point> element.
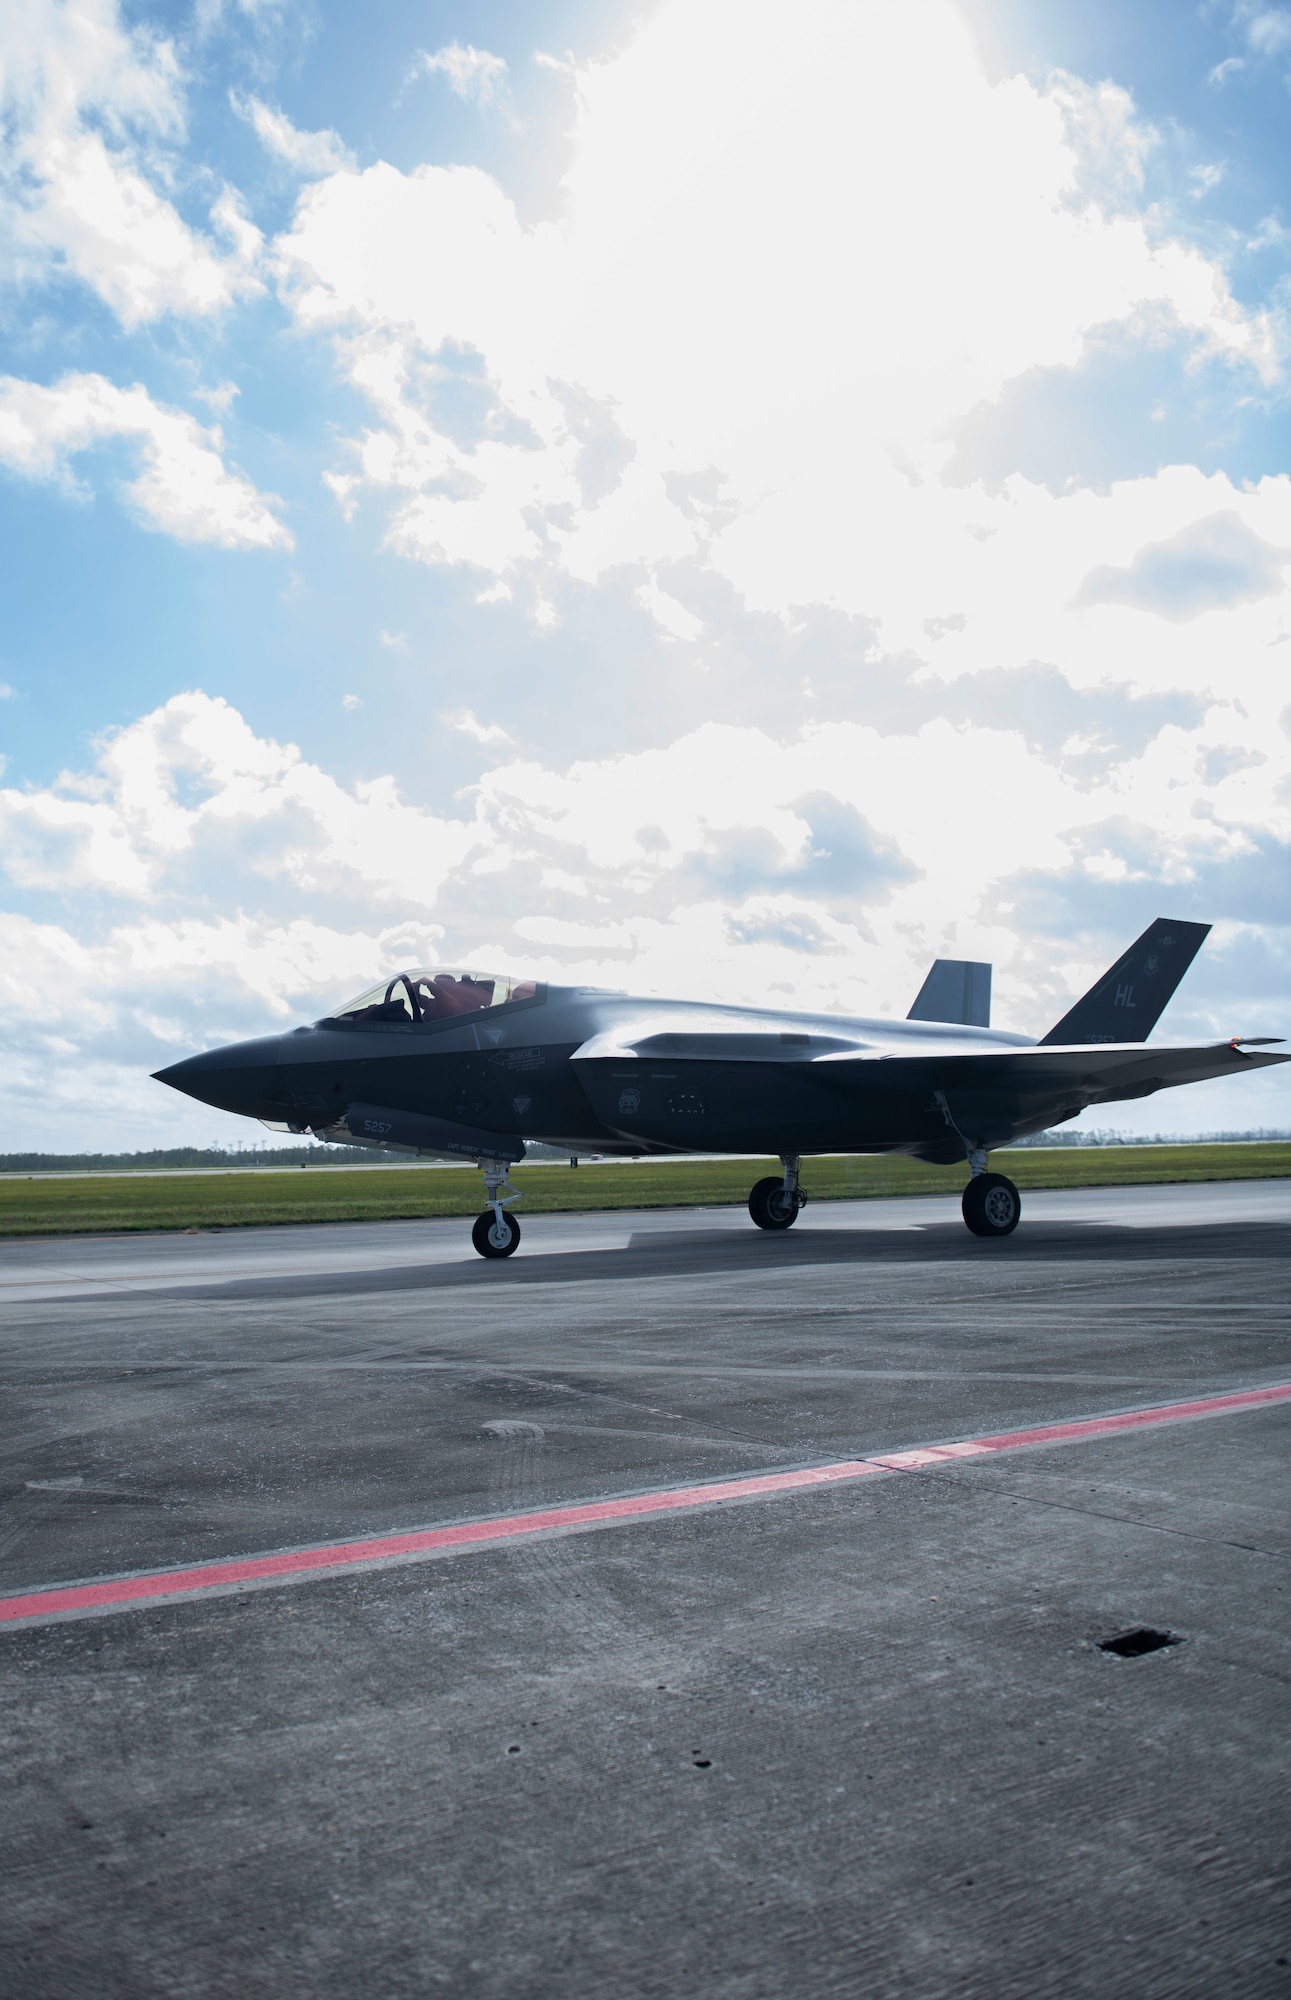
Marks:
<point>422,995</point>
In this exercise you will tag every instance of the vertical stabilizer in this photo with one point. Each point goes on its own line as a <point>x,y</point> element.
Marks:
<point>1128,1001</point>
<point>956,990</point>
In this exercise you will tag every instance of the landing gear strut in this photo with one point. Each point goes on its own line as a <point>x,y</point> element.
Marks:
<point>774,1204</point>
<point>991,1205</point>
<point>496,1234</point>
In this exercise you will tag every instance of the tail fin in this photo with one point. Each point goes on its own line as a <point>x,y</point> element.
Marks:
<point>955,990</point>
<point>1128,1001</point>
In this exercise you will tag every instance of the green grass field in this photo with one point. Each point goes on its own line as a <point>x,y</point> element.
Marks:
<point>75,1205</point>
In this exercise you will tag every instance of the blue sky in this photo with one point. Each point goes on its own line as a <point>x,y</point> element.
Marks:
<point>713,498</point>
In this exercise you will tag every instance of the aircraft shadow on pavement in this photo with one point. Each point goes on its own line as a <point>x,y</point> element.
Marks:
<point>663,1254</point>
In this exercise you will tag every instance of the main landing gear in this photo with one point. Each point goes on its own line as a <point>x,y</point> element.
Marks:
<point>774,1204</point>
<point>496,1234</point>
<point>991,1203</point>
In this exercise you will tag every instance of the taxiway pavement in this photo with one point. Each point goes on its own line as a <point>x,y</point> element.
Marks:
<point>853,1739</point>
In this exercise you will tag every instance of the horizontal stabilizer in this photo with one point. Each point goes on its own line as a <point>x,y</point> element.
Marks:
<point>956,990</point>
<point>1128,1001</point>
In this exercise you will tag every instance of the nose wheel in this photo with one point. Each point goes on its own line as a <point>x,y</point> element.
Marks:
<point>495,1235</point>
<point>991,1205</point>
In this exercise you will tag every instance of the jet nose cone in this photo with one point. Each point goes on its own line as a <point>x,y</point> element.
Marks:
<point>241,1078</point>
<point>194,1076</point>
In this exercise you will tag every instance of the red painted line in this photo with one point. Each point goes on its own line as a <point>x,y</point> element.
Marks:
<point>295,1565</point>
<point>1134,1420</point>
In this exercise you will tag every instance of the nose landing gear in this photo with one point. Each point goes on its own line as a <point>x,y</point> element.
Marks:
<point>774,1204</point>
<point>495,1233</point>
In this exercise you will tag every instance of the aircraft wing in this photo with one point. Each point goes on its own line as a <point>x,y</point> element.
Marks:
<point>1106,1070</point>
<point>1000,1095</point>
<point>1117,1068</point>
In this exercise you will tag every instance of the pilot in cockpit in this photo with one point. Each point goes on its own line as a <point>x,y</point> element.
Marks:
<point>416,996</point>
<point>441,995</point>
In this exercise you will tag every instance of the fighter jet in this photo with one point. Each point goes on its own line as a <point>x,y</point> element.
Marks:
<point>473,1065</point>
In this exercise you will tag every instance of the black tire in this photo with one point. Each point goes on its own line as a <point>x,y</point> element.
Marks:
<point>992,1205</point>
<point>485,1230</point>
<point>769,1206</point>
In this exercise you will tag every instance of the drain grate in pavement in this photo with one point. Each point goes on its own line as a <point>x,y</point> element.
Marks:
<point>1138,1640</point>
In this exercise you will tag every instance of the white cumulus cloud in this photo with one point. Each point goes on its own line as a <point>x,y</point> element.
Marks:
<point>1268,29</point>
<point>192,778</point>
<point>310,153</point>
<point>795,250</point>
<point>93,112</point>
<point>472,73</point>
<point>184,488</point>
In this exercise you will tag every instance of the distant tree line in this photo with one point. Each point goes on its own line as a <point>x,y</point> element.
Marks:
<point>322,1155</point>
<point>190,1156</point>
<point>1100,1137</point>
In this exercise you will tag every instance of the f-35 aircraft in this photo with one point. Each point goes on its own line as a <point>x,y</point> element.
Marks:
<point>473,1064</point>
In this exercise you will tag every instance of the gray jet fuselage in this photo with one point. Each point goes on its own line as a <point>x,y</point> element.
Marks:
<point>591,1071</point>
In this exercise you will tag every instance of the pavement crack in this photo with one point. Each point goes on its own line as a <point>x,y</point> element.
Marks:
<point>1102,1514</point>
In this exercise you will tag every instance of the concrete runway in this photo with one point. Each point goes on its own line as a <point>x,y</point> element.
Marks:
<point>848,1739</point>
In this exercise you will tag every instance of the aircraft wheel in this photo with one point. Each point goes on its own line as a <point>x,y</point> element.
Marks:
<point>770,1207</point>
<point>494,1239</point>
<point>992,1205</point>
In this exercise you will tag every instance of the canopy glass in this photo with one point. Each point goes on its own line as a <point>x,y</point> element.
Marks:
<point>422,995</point>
